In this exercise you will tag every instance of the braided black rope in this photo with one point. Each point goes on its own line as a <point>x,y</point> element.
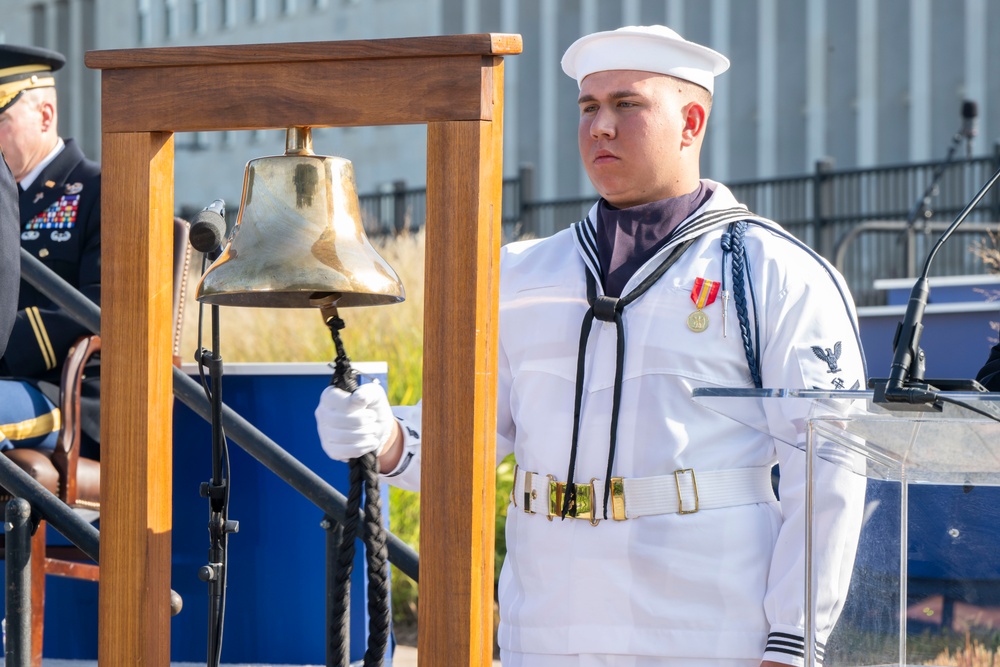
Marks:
<point>363,480</point>
<point>735,243</point>
<point>377,558</point>
<point>340,641</point>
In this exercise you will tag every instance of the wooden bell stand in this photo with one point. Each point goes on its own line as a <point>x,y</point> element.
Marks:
<point>454,84</point>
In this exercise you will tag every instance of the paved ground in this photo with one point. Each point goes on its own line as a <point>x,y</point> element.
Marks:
<point>406,656</point>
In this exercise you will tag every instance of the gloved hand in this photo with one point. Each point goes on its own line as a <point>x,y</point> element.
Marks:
<point>351,425</point>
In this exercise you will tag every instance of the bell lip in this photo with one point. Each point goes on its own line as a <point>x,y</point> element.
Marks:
<point>296,299</point>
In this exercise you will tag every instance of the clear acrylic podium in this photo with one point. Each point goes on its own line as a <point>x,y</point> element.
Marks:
<point>920,496</point>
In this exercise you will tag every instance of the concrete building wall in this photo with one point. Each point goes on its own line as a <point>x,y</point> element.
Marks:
<point>864,82</point>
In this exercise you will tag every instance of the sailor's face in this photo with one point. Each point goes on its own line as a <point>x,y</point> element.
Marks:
<point>631,134</point>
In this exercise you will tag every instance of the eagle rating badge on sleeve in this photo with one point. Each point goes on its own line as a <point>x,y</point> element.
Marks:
<point>830,356</point>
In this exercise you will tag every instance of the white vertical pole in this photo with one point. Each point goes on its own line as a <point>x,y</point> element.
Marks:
<point>920,80</point>
<point>675,15</point>
<point>816,43</point>
<point>588,24</point>
<point>630,12</point>
<point>720,107</point>
<point>549,58</point>
<point>508,23</point>
<point>767,87</point>
<point>470,16</point>
<point>867,82</point>
<point>975,61</point>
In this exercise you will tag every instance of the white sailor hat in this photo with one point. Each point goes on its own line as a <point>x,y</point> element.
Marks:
<point>654,48</point>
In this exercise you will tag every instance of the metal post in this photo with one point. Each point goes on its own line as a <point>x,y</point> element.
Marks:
<point>995,199</point>
<point>399,205</point>
<point>334,649</point>
<point>526,195</point>
<point>18,571</point>
<point>821,206</point>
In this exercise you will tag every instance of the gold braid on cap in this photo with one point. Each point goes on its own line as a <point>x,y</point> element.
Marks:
<point>16,80</point>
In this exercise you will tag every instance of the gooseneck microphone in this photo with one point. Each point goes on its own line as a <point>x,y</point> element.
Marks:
<point>906,383</point>
<point>208,227</point>
<point>969,131</point>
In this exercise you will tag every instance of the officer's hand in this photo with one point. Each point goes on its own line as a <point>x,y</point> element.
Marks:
<point>351,425</point>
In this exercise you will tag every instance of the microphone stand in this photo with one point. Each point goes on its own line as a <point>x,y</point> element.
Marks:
<point>217,492</point>
<point>906,389</point>
<point>922,207</point>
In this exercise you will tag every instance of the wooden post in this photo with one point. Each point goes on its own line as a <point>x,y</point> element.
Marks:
<point>457,506</point>
<point>452,83</point>
<point>136,298</point>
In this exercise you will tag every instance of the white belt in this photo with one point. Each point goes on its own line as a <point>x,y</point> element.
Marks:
<point>683,492</point>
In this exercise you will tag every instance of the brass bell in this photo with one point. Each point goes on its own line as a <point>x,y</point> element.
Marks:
<point>298,241</point>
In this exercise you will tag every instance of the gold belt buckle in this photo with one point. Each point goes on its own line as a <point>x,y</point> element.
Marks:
<point>618,498</point>
<point>529,492</point>
<point>582,508</point>
<point>680,500</point>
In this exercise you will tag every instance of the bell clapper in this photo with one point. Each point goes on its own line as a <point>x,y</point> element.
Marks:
<point>344,376</point>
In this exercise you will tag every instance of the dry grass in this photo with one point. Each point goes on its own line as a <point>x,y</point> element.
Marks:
<point>384,333</point>
<point>973,654</point>
<point>988,251</point>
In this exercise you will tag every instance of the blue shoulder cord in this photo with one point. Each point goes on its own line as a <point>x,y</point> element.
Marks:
<point>732,241</point>
<point>732,244</point>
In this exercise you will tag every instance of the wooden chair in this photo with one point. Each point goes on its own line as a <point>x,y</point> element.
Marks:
<point>75,479</point>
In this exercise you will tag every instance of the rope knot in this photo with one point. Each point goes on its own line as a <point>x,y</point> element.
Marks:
<point>727,242</point>
<point>605,307</point>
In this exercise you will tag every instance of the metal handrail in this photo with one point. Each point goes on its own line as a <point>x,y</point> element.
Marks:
<point>59,515</point>
<point>243,433</point>
<point>902,226</point>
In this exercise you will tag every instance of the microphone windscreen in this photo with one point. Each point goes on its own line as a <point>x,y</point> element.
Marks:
<point>208,228</point>
<point>969,109</point>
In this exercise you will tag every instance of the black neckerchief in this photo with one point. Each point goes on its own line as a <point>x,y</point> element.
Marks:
<point>609,309</point>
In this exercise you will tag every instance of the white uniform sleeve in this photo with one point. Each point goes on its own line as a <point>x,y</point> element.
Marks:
<point>406,474</point>
<point>505,420</point>
<point>810,343</point>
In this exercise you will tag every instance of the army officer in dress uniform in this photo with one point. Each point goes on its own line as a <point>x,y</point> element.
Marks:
<point>60,224</point>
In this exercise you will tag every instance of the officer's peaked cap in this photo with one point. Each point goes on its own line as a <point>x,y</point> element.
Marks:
<point>23,68</point>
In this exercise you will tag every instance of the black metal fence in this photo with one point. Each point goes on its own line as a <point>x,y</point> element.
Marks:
<point>872,223</point>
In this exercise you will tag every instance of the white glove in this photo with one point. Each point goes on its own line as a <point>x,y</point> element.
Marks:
<point>351,425</point>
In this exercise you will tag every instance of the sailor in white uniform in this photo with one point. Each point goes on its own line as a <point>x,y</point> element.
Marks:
<point>679,553</point>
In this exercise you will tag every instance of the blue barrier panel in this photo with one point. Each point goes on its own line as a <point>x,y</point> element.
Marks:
<point>276,595</point>
<point>276,606</point>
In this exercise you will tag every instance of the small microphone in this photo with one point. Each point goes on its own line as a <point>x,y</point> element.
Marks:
<point>208,228</point>
<point>969,112</point>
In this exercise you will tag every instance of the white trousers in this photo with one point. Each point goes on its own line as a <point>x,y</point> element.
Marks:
<point>508,659</point>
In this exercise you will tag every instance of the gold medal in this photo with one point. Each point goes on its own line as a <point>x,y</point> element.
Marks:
<point>703,294</point>
<point>697,321</point>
